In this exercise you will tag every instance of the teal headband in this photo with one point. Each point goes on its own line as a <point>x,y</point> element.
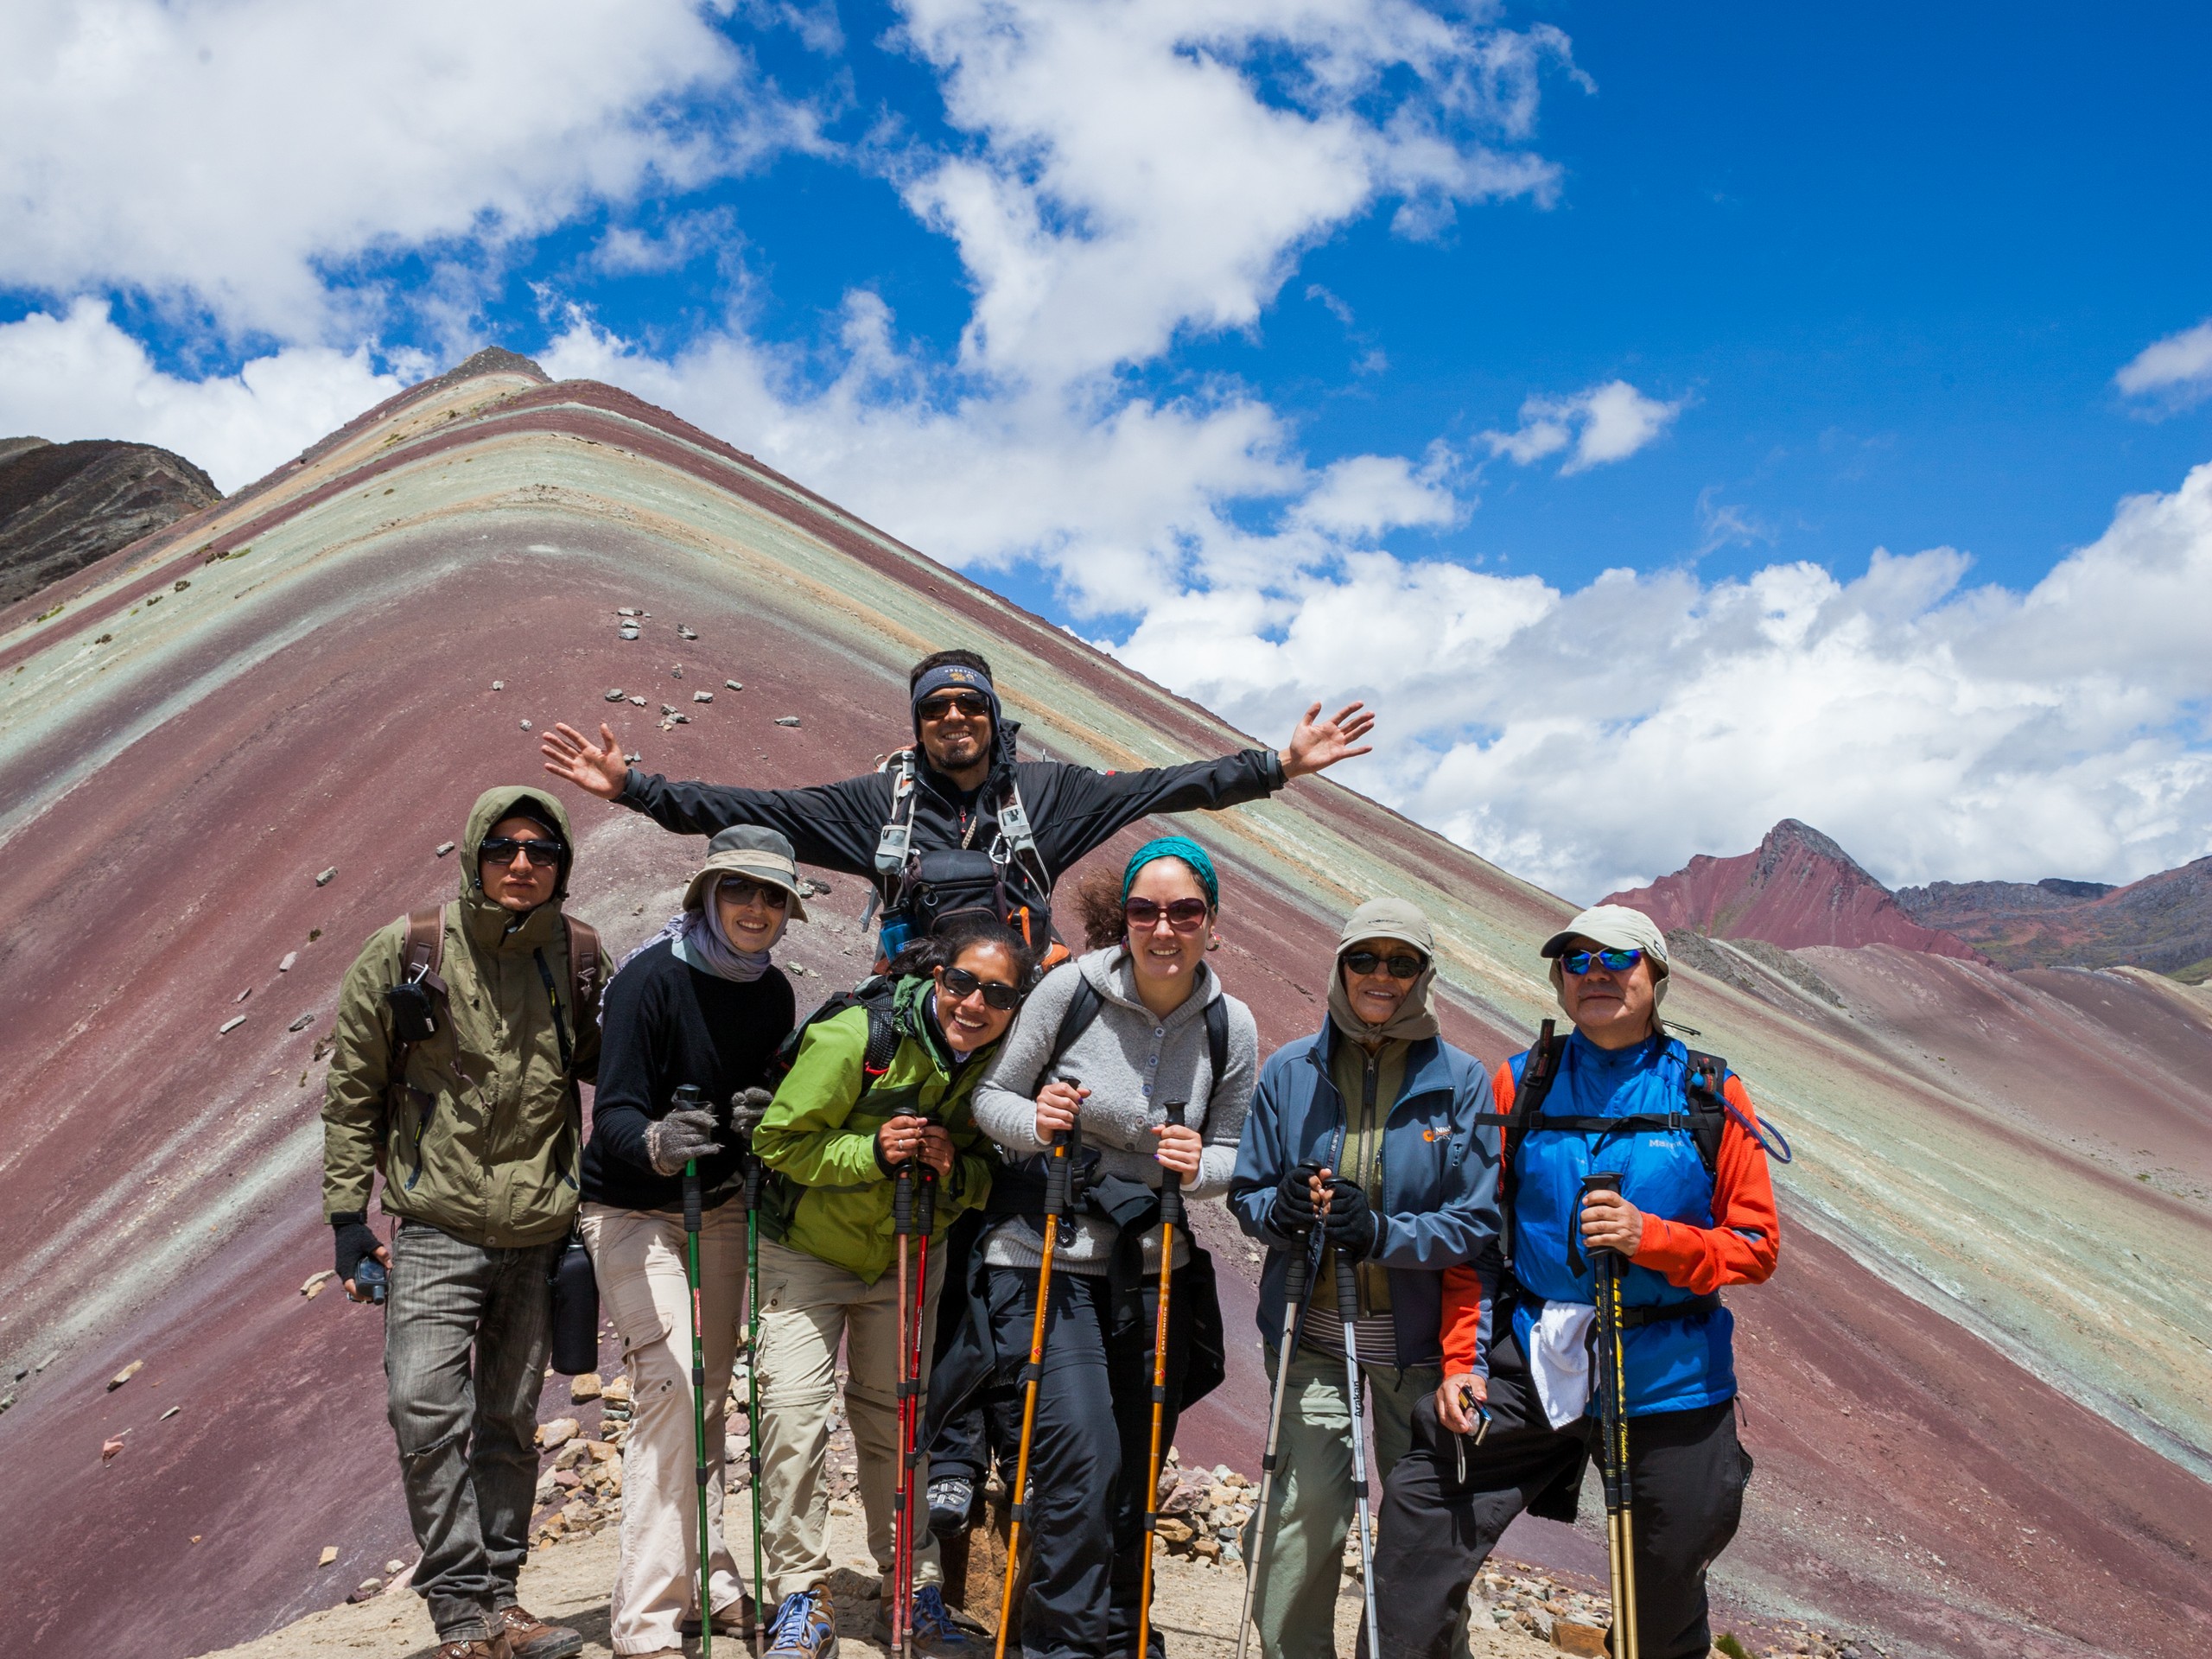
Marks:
<point>1180,847</point>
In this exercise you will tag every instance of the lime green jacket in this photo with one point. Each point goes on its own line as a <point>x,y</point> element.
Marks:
<point>819,1133</point>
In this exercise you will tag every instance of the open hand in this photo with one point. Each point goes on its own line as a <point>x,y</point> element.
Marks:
<point>598,768</point>
<point>1320,743</point>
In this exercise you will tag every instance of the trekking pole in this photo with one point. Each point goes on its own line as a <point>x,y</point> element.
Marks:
<point>1293,1310</point>
<point>1612,1419</point>
<point>1171,1216</point>
<point>1348,1304</point>
<point>910,1453</point>
<point>1056,1201</point>
<point>753,1172</point>
<point>902,1224</point>
<point>688,1098</point>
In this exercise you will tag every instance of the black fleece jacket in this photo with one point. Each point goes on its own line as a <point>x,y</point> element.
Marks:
<point>663,1024</point>
<point>1072,810</point>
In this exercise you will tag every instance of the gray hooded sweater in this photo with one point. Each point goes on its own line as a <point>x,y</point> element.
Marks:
<point>1133,1063</point>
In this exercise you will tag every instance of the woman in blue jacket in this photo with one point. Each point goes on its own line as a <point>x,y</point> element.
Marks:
<point>1362,1139</point>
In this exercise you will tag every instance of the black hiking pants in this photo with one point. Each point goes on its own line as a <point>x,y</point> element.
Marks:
<point>1447,1503</point>
<point>1089,1454</point>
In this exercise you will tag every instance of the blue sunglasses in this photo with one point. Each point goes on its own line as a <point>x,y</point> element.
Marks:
<point>1578,963</point>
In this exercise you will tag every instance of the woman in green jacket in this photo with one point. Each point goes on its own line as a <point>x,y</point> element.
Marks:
<point>836,1134</point>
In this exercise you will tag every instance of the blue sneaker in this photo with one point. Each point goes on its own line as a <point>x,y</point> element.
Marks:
<point>934,1630</point>
<point>804,1627</point>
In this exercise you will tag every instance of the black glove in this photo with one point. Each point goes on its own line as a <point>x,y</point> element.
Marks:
<point>1351,1223</point>
<point>675,1140</point>
<point>357,1241</point>
<point>1295,1212</point>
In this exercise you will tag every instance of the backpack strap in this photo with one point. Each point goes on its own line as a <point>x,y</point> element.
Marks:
<point>882,1038</point>
<point>1217,1045</point>
<point>894,846</point>
<point>585,958</point>
<point>1538,1073</point>
<point>1081,1011</point>
<point>422,952</point>
<point>1708,1113</point>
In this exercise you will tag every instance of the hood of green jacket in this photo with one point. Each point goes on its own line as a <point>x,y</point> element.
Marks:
<point>490,923</point>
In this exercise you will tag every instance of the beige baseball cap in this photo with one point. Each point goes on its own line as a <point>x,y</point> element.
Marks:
<point>758,855</point>
<point>1614,927</point>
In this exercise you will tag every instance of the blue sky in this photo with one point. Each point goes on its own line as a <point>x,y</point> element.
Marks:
<point>1288,350</point>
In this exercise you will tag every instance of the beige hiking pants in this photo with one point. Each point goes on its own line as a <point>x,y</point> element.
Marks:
<point>806,1308</point>
<point>637,1256</point>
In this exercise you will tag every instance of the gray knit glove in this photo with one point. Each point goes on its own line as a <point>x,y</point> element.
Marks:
<point>675,1140</point>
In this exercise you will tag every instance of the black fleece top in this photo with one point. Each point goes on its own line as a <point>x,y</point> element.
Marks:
<point>1072,810</point>
<point>663,1024</point>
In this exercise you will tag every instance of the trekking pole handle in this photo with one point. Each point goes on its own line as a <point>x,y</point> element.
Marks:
<point>1301,1268</point>
<point>1601,1180</point>
<point>902,1198</point>
<point>1171,1181</point>
<point>1347,1285</point>
<point>690,1098</point>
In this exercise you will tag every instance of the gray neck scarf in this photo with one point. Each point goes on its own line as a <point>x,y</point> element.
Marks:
<point>697,941</point>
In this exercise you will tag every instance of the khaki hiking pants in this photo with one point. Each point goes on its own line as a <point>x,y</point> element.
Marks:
<point>637,1256</point>
<point>806,1308</point>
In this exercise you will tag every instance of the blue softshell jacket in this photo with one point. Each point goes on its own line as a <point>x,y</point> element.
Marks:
<point>1672,1364</point>
<point>1439,1177</point>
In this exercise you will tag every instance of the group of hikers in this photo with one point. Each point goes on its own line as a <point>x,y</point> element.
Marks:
<point>1485,1281</point>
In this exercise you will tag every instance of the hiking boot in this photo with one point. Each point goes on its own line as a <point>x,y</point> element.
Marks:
<point>950,1499</point>
<point>737,1619</point>
<point>532,1638</point>
<point>492,1647</point>
<point>804,1627</point>
<point>934,1630</point>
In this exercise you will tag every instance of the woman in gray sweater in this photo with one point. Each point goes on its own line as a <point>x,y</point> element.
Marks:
<point>1163,1031</point>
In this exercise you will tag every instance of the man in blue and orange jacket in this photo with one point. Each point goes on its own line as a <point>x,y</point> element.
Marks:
<point>1685,1229</point>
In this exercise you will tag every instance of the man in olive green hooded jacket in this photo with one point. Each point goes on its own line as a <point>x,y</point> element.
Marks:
<point>475,1126</point>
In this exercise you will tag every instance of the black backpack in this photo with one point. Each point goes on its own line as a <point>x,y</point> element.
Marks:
<point>874,994</point>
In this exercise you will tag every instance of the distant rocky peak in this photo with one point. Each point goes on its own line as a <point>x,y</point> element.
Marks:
<point>1798,887</point>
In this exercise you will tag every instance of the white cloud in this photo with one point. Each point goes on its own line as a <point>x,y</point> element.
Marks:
<point>1133,178</point>
<point>1603,423</point>
<point>1590,739</point>
<point>225,156</point>
<point>79,376</point>
<point>2176,370</point>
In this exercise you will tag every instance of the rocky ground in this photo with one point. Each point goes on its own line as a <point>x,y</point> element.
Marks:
<point>1522,1614</point>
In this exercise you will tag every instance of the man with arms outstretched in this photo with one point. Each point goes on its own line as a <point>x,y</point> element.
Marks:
<point>958,824</point>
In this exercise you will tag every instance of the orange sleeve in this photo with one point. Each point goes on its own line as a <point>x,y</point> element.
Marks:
<point>1466,1298</point>
<point>1741,1247</point>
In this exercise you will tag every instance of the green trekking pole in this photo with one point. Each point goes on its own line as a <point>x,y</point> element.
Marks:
<point>688,1098</point>
<point>748,1110</point>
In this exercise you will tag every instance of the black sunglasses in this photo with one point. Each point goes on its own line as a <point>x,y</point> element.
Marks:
<point>1406,966</point>
<point>1183,915</point>
<point>504,850</point>
<point>960,985</point>
<point>738,891</point>
<point>966,702</point>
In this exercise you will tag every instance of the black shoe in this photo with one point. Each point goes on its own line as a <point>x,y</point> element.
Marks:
<point>950,1499</point>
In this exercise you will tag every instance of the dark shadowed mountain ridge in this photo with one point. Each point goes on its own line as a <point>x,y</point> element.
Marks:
<point>1797,888</point>
<point>2163,922</point>
<point>65,506</point>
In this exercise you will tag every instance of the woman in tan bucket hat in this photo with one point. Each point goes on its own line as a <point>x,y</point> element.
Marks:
<point>701,1003</point>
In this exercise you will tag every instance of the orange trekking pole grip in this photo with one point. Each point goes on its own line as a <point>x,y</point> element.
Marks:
<point>1055,1203</point>
<point>1171,1216</point>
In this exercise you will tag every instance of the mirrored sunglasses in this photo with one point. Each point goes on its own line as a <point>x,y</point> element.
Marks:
<point>502,849</point>
<point>1183,915</point>
<point>1404,966</point>
<point>960,985</point>
<point>1578,963</point>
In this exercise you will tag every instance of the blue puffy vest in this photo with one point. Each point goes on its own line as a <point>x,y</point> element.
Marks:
<point>1673,1364</point>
